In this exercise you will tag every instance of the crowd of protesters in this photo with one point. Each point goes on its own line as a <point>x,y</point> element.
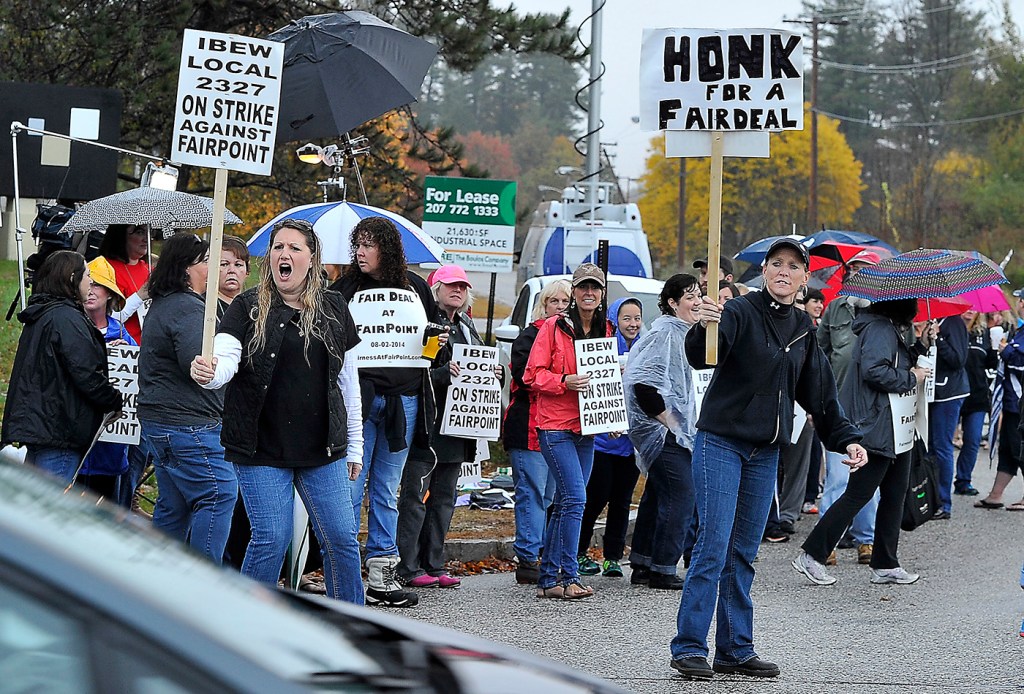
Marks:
<point>796,394</point>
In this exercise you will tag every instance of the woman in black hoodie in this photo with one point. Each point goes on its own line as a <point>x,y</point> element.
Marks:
<point>59,391</point>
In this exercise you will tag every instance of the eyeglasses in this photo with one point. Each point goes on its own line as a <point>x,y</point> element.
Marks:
<point>300,224</point>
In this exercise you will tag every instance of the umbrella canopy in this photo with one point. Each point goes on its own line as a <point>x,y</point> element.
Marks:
<point>848,237</point>
<point>939,307</point>
<point>755,252</point>
<point>987,299</point>
<point>833,253</point>
<point>161,209</point>
<point>333,222</point>
<point>922,274</point>
<point>342,69</point>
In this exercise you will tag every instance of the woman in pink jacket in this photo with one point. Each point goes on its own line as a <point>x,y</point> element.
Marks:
<point>551,373</point>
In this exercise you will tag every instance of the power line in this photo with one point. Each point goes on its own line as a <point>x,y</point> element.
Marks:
<point>882,124</point>
<point>948,63</point>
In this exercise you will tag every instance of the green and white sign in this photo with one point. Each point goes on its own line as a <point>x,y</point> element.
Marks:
<point>473,219</point>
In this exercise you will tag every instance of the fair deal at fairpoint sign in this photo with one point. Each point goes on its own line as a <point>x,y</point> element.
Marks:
<point>716,79</point>
<point>473,220</point>
<point>229,89</point>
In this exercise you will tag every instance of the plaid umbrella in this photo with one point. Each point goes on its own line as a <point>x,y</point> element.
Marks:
<point>922,274</point>
<point>161,209</point>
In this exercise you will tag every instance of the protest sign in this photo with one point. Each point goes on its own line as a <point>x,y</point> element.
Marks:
<point>123,369</point>
<point>390,323</point>
<point>603,403</point>
<point>229,89</point>
<point>473,219</point>
<point>721,79</point>
<point>701,381</point>
<point>473,407</point>
<point>904,408</point>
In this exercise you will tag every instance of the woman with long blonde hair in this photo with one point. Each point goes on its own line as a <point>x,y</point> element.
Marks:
<point>292,414</point>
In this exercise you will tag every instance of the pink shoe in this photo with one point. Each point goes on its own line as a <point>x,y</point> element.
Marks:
<point>422,581</point>
<point>446,581</point>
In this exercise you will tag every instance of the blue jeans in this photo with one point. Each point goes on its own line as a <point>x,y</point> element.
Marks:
<point>381,474</point>
<point>943,417</point>
<point>734,483</point>
<point>58,462</point>
<point>666,510</point>
<point>535,490</point>
<point>837,477</point>
<point>138,457</point>
<point>570,457</point>
<point>972,424</point>
<point>325,491</point>
<point>198,488</point>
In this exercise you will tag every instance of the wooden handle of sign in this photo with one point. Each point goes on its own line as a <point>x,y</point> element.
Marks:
<point>714,241</point>
<point>220,190</point>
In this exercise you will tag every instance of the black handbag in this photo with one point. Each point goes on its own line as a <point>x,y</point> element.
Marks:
<point>922,499</point>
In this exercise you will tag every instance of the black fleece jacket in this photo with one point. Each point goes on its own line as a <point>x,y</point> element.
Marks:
<point>767,357</point>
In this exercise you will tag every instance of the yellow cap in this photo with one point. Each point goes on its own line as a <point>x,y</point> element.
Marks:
<point>103,274</point>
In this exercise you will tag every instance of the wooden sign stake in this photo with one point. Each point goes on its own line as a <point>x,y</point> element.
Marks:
<point>220,190</point>
<point>714,241</point>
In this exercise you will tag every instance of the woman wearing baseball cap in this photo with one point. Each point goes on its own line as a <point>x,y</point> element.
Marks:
<point>551,372</point>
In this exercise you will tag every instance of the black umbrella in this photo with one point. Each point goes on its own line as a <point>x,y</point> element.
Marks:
<point>342,69</point>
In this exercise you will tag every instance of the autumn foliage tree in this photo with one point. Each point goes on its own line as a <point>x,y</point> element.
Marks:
<point>760,197</point>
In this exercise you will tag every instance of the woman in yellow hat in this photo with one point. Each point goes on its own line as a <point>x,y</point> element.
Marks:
<point>104,299</point>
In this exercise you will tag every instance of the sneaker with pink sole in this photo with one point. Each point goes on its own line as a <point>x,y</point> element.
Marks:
<point>422,581</point>
<point>447,581</point>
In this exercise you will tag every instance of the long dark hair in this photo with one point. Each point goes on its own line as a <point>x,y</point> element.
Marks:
<point>382,232</point>
<point>178,253</point>
<point>61,275</point>
<point>900,311</point>
<point>115,242</point>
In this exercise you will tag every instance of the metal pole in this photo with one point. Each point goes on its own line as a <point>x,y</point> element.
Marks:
<point>681,232</point>
<point>18,231</point>
<point>812,203</point>
<point>490,308</point>
<point>594,106</point>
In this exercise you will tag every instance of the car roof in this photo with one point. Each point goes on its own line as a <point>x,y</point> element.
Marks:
<point>137,573</point>
<point>642,285</point>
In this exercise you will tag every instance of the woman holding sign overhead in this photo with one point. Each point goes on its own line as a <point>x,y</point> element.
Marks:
<point>551,372</point>
<point>766,359</point>
<point>292,417</point>
<point>881,370</point>
<point>431,473</point>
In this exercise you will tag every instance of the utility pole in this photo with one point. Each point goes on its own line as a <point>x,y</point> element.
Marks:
<point>815,23</point>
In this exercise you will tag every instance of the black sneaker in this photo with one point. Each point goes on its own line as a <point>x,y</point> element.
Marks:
<point>391,598</point>
<point>941,515</point>
<point>775,536</point>
<point>694,668</point>
<point>662,581</point>
<point>847,542</point>
<point>528,572</point>
<point>755,667</point>
<point>639,575</point>
<point>787,527</point>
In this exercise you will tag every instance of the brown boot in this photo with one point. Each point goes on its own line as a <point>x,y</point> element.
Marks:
<point>864,553</point>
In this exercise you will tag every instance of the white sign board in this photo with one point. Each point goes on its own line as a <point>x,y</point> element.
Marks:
<point>123,370</point>
<point>473,407</point>
<point>603,403</point>
<point>390,323</point>
<point>701,381</point>
<point>229,90</point>
<point>721,79</point>
<point>904,408</point>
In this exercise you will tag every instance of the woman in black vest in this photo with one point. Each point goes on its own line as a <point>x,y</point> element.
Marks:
<point>292,417</point>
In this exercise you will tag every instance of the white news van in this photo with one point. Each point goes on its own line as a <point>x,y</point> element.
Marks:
<point>565,233</point>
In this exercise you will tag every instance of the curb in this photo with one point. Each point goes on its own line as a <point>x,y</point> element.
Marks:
<point>478,550</point>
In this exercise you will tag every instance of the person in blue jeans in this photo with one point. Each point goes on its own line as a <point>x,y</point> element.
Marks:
<point>292,413</point>
<point>981,357</point>
<point>766,359</point>
<point>58,392</point>
<point>534,483</point>
<point>180,421</point>
<point>397,403</point>
<point>551,372</point>
<point>951,390</point>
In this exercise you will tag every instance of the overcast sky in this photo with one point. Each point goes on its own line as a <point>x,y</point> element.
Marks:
<point>624,22</point>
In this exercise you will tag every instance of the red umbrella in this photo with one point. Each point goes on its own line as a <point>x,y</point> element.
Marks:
<point>987,299</point>
<point>832,253</point>
<point>935,308</point>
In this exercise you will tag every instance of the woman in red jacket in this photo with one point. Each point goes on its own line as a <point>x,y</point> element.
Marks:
<point>551,373</point>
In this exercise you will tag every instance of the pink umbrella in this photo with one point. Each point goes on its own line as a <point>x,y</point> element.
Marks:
<point>987,299</point>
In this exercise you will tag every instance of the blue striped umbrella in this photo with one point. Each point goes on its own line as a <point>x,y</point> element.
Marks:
<point>333,222</point>
<point>924,273</point>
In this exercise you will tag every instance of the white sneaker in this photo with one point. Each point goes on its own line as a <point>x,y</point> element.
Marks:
<point>898,575</point>
<point>813,570</point>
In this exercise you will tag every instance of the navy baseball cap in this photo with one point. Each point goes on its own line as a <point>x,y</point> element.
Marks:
<point>788,243</point>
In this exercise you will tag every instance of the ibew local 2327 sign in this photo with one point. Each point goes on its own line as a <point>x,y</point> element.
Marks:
<point>712,79</point>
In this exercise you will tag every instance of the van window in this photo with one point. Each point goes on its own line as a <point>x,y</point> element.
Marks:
<point>523,308</point>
